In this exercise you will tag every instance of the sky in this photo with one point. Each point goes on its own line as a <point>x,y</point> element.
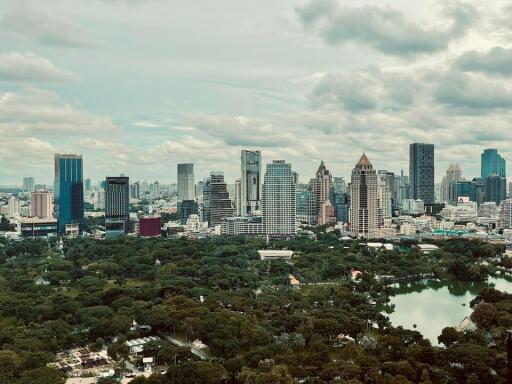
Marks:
<point>138,86</point>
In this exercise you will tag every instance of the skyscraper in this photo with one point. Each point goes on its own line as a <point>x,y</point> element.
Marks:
<point>321,189</point>
<point>117,205</point>
<point>388,182</point>
<point>99,200</point>
<point>69,190</point>
<point>87,185</point>
<point>279,215</point>
<point>341,199</point>
<point>13,207</point>
<point>403,188</point>
<point>449,184</point>
<point>492,163</point>
<point>495,188</point>
<point>41,204</point>
<point>216,202</point>
<point>186,208</point>
<point>156,188</point>
<point>385,193</point>
<point>135,190</point>
<point>339,185</point>
<point>28,184</point>
<point>365,213</point>
<point>475,190</point>
<point>238,197</point>
<point>251,182</point>
<point>421,172</point>
<point>302,203</point>
<point>186,185</point>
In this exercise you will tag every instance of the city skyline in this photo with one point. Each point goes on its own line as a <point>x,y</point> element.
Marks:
<point>70,83</point>
<point>439,175</point>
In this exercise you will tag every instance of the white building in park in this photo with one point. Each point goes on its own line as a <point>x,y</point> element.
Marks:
<point>275,254</point>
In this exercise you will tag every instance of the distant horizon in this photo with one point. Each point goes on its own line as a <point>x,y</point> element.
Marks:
<point>302,178</point>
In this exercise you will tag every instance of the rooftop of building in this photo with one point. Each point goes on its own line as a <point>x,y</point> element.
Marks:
<point>35,220</point>
<point>363,162</point>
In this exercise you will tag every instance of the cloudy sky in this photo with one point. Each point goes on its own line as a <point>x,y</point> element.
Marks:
<point>139,85</point>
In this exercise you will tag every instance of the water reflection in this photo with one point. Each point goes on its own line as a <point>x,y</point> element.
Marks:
<point>432,305</point>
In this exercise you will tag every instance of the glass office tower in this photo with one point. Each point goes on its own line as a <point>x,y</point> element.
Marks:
<point>68,190</point>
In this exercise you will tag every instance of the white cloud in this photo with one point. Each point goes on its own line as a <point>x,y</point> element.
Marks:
<point>15,66</point>
<point>147,124</point>
<point>242,130</point>
<point>48,30</point>
<point>25,153</point>
<point>43,113</point>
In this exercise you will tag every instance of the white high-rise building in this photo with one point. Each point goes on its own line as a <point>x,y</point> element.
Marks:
<point>365,213</point>
<point>99,200</point>
<point>13,207</point>
<point>41,204</point>
<point>250,182</point>
<point>448,191</point>
<point>186,185</point>
<point>506,214</point>
<point>385,199</point>
<point>279,214</point>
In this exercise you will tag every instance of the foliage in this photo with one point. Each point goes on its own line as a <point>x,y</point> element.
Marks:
<point>258,328</point>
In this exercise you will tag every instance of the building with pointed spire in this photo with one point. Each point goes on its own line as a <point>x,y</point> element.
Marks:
<point>365,213</point>
<point>321,189</point>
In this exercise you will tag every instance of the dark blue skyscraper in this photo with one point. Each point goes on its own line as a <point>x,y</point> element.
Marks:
<point>421,172</point>
<point>68,190</point>
<point>495,188</point>
<point>492,164</point>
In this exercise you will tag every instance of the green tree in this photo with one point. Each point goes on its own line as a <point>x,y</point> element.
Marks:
<point>484,315</point>
<point>10,363</point>
<point>42,375</point>
<point>448,337</point>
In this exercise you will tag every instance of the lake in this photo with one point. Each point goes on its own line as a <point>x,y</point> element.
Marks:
<point>433,305</point>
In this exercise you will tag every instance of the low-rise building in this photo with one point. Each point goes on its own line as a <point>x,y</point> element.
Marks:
<point>149,226</point>
<point>137,345</point>
<point>463,212</point>
<point>275,254</point>
<point>36,227</point>
<point>412,207</point>
<point>427,248</point>
<point>247,226</point>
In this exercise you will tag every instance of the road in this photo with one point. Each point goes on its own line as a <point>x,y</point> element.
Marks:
<point>202,355</point>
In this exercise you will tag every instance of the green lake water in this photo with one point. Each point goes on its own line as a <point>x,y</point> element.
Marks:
<point>434,305</point>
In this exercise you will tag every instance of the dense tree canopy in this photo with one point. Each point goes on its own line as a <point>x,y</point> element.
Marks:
<point>258,328</point>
